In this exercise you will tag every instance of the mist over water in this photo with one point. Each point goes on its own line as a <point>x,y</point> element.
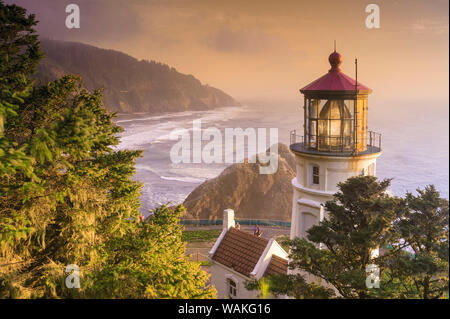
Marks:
<point>415,144</point>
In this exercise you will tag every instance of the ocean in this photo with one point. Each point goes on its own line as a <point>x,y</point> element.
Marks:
<point>415,144</point>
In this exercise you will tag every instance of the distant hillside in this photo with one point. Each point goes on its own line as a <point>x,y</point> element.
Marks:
<point>250,194</point>
<point>129,85</point>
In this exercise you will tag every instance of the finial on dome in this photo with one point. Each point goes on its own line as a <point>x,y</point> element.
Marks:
<point>335,60</point>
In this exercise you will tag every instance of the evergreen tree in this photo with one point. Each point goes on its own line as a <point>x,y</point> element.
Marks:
<point>66,194</point>
<point>340,248</point>
<point>19,56</point>
<point>149,262</point>
<point>19,47</point>
<point>80,195</point>
<point>423,272</point>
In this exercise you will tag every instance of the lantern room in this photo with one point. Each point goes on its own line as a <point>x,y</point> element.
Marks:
<point>333,145</point>
<point>335,114</point>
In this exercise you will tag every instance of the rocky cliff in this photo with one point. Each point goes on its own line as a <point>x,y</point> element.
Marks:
<point>129,85</point>
<point>250,194</point>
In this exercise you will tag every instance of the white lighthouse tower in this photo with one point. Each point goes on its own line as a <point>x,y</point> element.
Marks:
<point>335,144</point>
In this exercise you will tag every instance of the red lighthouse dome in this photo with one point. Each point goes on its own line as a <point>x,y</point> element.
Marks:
<point>335,60</point>
<point>335,80</point>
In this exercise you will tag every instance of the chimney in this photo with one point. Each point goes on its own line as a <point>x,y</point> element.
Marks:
<point>228,218</point>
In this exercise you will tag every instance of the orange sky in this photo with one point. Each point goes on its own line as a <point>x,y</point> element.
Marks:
<point>270,48</point>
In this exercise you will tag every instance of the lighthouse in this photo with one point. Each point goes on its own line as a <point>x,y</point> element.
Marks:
<point>334,144</point>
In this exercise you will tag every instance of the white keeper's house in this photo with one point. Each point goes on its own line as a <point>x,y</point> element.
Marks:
<point>239,256</point>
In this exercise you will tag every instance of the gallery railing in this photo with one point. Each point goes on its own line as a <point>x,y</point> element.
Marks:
<point>332,144</point>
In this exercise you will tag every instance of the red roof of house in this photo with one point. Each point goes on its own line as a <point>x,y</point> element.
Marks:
<point>240,251</point>
<point>277,266</point>
<point>335,79</point>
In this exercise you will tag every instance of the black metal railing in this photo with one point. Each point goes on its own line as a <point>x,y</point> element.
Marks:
<point>334,144</point>
<point>373,140</point>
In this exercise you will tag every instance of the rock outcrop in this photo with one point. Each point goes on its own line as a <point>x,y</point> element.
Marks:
<point>252,195</point>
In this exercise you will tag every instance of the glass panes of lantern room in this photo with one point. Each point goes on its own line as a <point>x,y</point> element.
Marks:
<point>330,125</point>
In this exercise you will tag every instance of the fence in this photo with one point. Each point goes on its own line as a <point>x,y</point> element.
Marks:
<point>260,222</point>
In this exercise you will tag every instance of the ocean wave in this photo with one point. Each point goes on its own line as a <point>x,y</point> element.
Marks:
<point>156,117</point>
<point>136,137</point>
<point>183,179</point>
<point>193,175</point>
<point>204,173</point>
<point>214,112</point>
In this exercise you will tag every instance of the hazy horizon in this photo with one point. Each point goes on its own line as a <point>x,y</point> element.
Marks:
<point>269,49</point>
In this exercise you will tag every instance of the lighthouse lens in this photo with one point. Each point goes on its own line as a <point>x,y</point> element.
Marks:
<point>335,122</point>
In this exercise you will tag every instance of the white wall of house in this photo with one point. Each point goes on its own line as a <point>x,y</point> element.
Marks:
<point>219,276</point>
<point>272,248</point>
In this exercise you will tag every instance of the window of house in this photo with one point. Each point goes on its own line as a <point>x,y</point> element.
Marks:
<point>315,175</point>
<point>231,288</point>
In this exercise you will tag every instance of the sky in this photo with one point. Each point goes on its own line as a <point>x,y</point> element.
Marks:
<point>270,49</point>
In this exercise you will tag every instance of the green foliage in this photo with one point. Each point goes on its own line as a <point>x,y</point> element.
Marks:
<point>205,263</point>
<point>358,222</point>
<point>19,56</point>
<point>294,286</point>
<point>423,273</point>
<point>198,236</point>
<point>284,241</point>
<point>360,219</point>
<point>19,47</point>
<point>66,193</point>
<point>149,262</point>
<point>80,193</point>
<point>130,85</point>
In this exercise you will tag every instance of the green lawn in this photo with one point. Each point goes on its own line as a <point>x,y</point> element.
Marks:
<point>205,263</point>
<point>197,236</point>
